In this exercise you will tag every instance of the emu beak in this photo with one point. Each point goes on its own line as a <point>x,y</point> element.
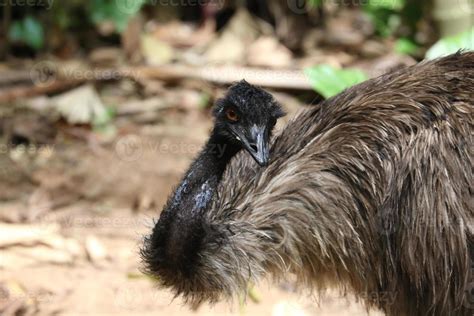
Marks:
<point>257,145</point>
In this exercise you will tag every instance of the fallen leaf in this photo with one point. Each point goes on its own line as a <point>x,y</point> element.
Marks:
<point>230,46</point>
<point>179,34</point>
<point>267,51</point>
<point>16,234</point>
<point>81,106</point>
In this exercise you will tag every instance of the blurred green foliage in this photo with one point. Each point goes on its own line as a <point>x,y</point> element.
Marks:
<point>119,12</point>
<point>315,3</point>
<point>398,18</point>
<point>452,44</point>
<point>28,31</point>
<point>104,123</point>
<point>329,81</point>
<point>406,46</point>
<point>385,14</point>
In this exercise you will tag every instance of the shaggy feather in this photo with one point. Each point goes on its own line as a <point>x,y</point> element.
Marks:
<point>372,189</point>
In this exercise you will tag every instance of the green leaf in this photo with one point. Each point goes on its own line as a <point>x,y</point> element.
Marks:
<point>385,15</point>
<point>406,46</point>
<point>106,117</point>
<point>28,31</point>
<point>386,4</point>
<point>452,44</point>
<point>117,11</point>
<point>315,3</point>
<point>34,34</point>
<point>204,100</point>
<point>103,123</point>
<point>329,81</point>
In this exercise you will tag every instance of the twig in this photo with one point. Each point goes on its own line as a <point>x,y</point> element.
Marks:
<point>281,79</point>
<point>12,77</point>
<point>24,91</point>
<point>270,78</point>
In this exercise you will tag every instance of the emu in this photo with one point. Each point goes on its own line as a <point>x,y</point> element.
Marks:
<point>371,190</point>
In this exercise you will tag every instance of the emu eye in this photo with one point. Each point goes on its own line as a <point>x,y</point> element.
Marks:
<point>231,115</point>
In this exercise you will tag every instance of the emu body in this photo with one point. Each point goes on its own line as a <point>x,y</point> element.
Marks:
<point>371,190</point>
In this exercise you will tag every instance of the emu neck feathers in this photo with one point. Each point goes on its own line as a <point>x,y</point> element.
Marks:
<point>201,180</point>
<point>176,238</point>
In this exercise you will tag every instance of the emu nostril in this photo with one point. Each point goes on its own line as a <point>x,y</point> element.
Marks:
<point>253,146</point>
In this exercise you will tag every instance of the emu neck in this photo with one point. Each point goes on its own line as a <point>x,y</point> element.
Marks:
<point>201,180</point>
<point>177,236</point>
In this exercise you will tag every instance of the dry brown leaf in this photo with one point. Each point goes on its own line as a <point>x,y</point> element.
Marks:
<point>179,34</point>
<point>81,105</point>
<point>266,51</point>
<point>232,43</point>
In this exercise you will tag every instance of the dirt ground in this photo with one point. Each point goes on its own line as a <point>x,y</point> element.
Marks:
<point>114,287</point>
<point>76,223</point>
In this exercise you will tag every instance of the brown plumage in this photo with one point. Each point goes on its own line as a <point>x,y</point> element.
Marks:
<point>371,190</point>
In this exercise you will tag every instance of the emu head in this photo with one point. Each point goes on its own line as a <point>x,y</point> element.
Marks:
<point>246,117</point>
